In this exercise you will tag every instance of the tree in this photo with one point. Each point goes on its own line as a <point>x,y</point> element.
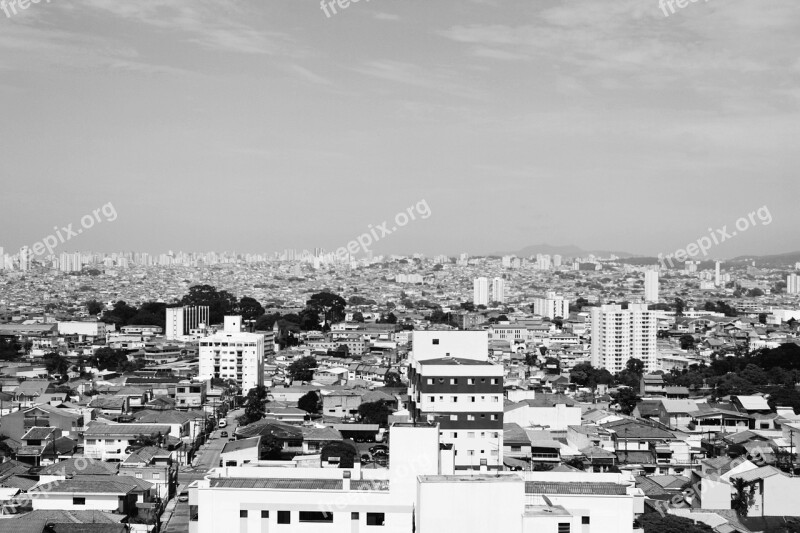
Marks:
<point>266,322</point>
<point>375,412</point>
<point>740,500</point>
<point>56,364</point>
<point>392,379</point>
<point>345,451</point>
<point>327,305</point>
<point>94,307</point>
<point>552,365</point>
<point>687,341</point>
<point>358,317</point>
<point>271,448</point>
<point>220,303</point>
<point>255,406</point>
<point>635,366</point>
<point>109,359</point>
<point>250,309</point>
<point>309,320</point>
<point>120,314</point>
<point>310,402</point>
<point>667,523</point>
<point>302,369</point>
<point>9,348</point>
<point>627,400</point>
<point>680,305</point>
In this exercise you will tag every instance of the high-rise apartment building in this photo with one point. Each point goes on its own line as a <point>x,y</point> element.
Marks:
<point>181,320</point>
<point>498,290</point>
<point>792,284</point>
<point>717,281</point>
<point>651,286</point>
<point>233,354</point>
<point>619,334</point>
<point>551,306</point>
<point>453,383</point>
<point>480,291</point>
<point>25,257</point>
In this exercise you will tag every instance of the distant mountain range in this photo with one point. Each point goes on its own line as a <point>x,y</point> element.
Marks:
<point>787,259</point>
<point>563,251</point>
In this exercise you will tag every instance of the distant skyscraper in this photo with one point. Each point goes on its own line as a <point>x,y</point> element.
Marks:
<point>480,291</point>
<point>498,290</point>
<point>556,261</point>
<point>792,284</point>
<point>621,334</point>
<point>25,257</point>
<point>651,286</point>
<point>716,274</point>
<point>2,259</point>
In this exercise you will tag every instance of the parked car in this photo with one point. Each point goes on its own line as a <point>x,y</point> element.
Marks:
<point>184,497</point>
<point>379,449</point>
<point>223,434</point>
<point>223,423</point>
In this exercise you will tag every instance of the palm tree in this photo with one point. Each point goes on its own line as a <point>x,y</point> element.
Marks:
<point>740,501</point>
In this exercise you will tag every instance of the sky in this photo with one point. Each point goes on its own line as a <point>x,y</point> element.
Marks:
<point>260,125</point>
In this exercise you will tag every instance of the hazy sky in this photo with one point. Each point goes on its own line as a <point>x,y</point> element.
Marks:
<point>257,125</point>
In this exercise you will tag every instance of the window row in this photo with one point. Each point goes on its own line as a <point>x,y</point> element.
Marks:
<point>470,381</point>
<point>318,517</point>
<point>469,399</point>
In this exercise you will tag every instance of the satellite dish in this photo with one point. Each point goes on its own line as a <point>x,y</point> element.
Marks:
<point>547,500</point>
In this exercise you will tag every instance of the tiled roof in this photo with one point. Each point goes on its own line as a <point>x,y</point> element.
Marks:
<point>125,429</point>
<point>96,485</point>
<point>68,467</point>
<point>56,516</point>
<point>146,455</point>
<point>629,429</point>
<point>759,473</point>
<point>566,487</point>
<point>241,444</point>
<point>38,433</point>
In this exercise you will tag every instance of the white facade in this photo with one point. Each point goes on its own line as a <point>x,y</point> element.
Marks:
<point>551,306</point>
<point>232,354</point>
<point>87,329</point>
<point>651,286</point>
<point>792,284</point>
<point>480,288</point>
<point>498,290</point>
<point>182,320</point>
<point>418,492</point>
<point>621,334</point>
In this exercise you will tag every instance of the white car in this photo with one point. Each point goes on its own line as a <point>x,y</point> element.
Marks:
<point>223,423</point>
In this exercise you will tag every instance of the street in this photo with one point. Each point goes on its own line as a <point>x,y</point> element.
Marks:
<point>176,515</point>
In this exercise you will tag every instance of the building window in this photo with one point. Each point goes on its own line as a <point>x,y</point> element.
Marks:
<point>156,475</point>
<point>585,520</point>
<point>315,516</point>
<point>430,381</point>
<point>470,434</point>
<point>470,381</point>
<point>435,341</point>
<point>563,527</point>
<point>139,475</point>
<point>453,381</point>
<point>243,513</point>
<point>376,519</point>
<point>455,399</point>
<point>353,516</point>
<point>78,501</point>
<point>471,453</point>
<point>471,417</point>
<point>453,418</point>
<point>284,517</point>
<point>264,514</point>
<point>433,398</point>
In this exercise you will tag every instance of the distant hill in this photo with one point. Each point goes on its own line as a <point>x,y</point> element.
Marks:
<point>777,260</point>
<point>563,251</point>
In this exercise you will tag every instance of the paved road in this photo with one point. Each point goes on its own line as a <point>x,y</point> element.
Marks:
<point>208,456</point>
<point>176,514</point>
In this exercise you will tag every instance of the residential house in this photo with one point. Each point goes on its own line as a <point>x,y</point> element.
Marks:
<point>240,452</point>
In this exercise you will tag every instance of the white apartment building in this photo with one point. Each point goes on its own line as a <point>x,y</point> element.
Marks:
<point>651,286</point>
<point>498,290</point>
<point>480,291</point>
<point>181,320</point>
<point>551,306</point>
<point>620,334</point>
<point>233,354</point>
<point>453,384</point>
<point>792,284</point>
<point>82,329</point>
